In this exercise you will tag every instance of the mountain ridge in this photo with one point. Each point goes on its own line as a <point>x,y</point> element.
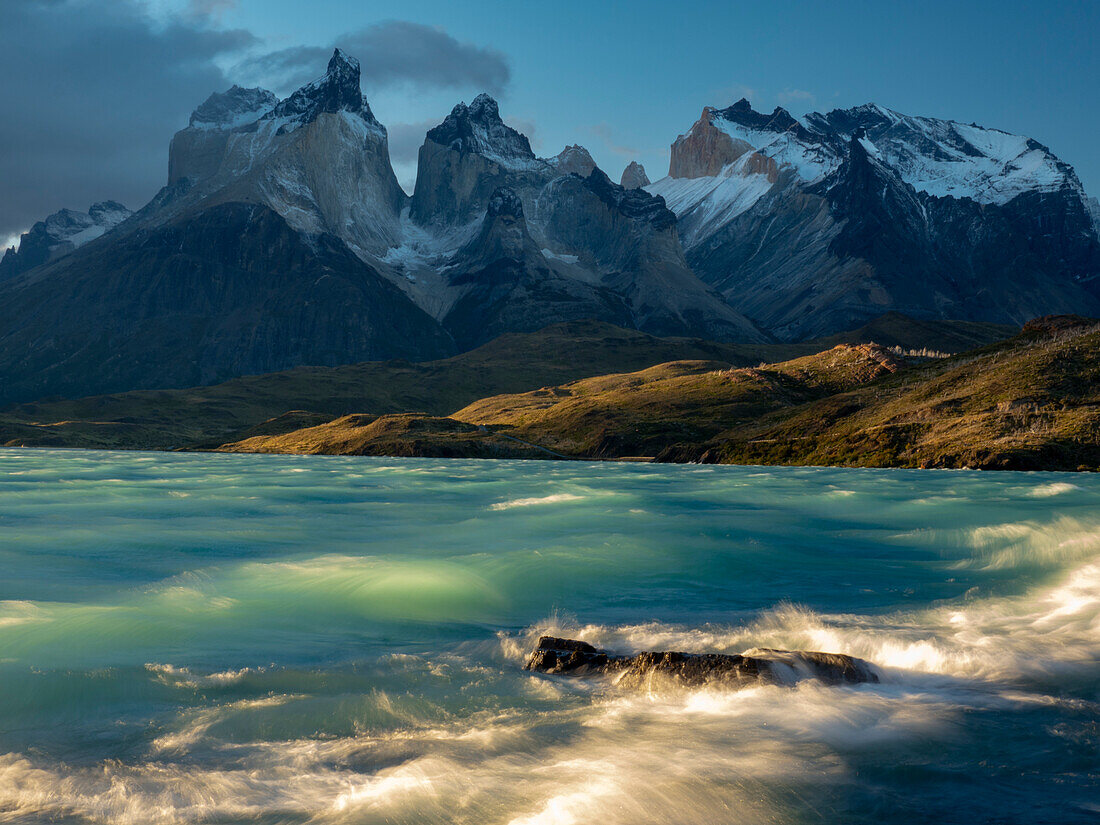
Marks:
<point>768,227</point>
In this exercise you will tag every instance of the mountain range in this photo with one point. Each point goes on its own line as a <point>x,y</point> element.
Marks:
<point>282,239</point>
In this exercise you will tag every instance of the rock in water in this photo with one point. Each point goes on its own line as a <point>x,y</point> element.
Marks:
<point>575,658</point>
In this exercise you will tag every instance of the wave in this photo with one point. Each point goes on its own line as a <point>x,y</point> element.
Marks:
<point>556,498</point>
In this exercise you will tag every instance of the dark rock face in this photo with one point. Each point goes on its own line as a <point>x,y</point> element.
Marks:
<point>629,238</point>
<point>479,128</point>
<point>575,658</point>
<point>230,291</point>
<point>508,285</point>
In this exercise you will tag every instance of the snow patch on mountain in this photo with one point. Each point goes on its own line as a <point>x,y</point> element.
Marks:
<point>704,205</point>
<point>811,160</point>
<point>232,109</point>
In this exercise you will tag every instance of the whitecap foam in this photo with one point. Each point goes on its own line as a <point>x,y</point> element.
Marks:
<point>556,498</point>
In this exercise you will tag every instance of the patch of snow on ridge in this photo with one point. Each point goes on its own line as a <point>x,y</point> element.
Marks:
<point>1003,167</point>
<point>811,161</point>
<point>703,205</point>
<point>554,256</point>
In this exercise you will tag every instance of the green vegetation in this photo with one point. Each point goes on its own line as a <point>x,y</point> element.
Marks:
<point>207,417</point>
<point>591,390</point>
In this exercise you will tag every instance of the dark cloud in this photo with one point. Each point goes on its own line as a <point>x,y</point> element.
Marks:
<point>92,95</point>
<point>93,91</point>
<point>391,53</point>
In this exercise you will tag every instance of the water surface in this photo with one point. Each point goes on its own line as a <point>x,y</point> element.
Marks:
<point>268,639</point>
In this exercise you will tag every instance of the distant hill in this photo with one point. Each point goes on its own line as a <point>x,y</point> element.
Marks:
<point>606,373</point>
<point>210,416</point>
<point>1031,402</point>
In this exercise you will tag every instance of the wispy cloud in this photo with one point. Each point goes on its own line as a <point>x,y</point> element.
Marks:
<point>606,133</point>
<point>394,52</point>
<point>796,97</point>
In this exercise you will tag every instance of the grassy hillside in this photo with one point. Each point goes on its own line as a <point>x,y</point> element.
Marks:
<point>282,402</point>
<point>642,413</point>
<point>406,435</point>
<point>210,416</point>
<point>1032,402</point>
<point>622,414</point>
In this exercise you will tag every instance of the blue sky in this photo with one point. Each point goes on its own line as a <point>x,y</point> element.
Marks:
<point>101,85</point>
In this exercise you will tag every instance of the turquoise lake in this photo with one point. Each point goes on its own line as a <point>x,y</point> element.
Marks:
<point>196,638</point>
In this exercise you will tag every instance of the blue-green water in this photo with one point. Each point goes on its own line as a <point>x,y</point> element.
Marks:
<point>262,639</point>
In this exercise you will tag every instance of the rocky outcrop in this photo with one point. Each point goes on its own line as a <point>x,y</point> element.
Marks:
<point>319,158</point>
<point>573,160</point>
<point>465,159</point>
<point>60,234</point>
<point>704,151</point>
<point>575,658</point>
<point>634,176</point>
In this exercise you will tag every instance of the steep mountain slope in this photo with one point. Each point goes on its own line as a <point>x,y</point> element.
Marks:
<point>818,224</point>
<point>228,291</point>
<point>582,245</point>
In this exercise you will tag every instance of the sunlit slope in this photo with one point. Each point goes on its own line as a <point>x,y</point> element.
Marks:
<point>210,416</point>
<point>1032,402</point>
<point>617,415</point>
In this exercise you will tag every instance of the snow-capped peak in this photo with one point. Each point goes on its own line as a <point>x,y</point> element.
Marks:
<point>938,157</point>
<point>233,108</point>
<point>573,160</point>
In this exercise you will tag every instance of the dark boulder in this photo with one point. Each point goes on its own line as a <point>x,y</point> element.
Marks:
<point>575,658</point>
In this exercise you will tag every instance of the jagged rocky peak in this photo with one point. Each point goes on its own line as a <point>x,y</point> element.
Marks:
<point>780,120</point>
<point>704,151</point>
<point>337,91</point>
<point>637,204</point>
<point>634,176</point>
<point>574,160</point>
<point>236,107</point>
<point>1094,210</point>
<point>478,129</point>
<point>503,234</point>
